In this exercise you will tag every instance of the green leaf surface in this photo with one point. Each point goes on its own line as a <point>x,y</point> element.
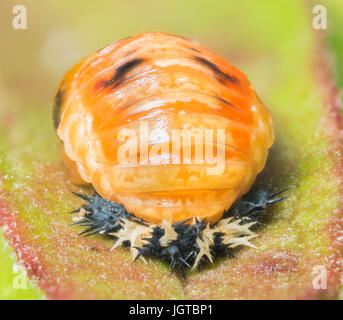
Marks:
<point>274,44</point>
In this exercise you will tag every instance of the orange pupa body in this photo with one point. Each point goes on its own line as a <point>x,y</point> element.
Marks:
<point>161,82</point>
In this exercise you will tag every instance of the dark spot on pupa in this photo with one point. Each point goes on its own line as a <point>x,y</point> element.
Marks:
<point>120,73</point>
<point>226,102</point>
<point>195,50</point>
<point>221,76</point>
<point>56,111</point>
<point>230,105</point>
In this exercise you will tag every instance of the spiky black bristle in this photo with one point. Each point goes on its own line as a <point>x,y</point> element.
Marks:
<point>254,204</point>
<point>100,215</point>
<point>182,245</point>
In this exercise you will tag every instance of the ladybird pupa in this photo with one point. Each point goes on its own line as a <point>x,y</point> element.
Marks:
<point>155,83</point>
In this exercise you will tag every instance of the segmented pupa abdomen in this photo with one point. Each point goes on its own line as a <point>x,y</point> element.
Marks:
<point>157,83</point>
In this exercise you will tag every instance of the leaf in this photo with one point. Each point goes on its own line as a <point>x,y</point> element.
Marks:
<point>14,281</point>
<point>275,45</point>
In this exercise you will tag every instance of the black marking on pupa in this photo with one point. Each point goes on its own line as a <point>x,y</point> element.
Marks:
<point>56,111</point>
<point>120,73</point>
<point>221,76</point>
<point>227,103</point>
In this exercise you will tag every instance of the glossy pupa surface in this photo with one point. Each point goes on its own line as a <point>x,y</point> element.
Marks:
<point>160,82</point>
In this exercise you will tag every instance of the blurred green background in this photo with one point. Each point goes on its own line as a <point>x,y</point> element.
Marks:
<point>61,32</point>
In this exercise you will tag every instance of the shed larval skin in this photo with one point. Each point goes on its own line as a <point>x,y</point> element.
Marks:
<point>169,83</point>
